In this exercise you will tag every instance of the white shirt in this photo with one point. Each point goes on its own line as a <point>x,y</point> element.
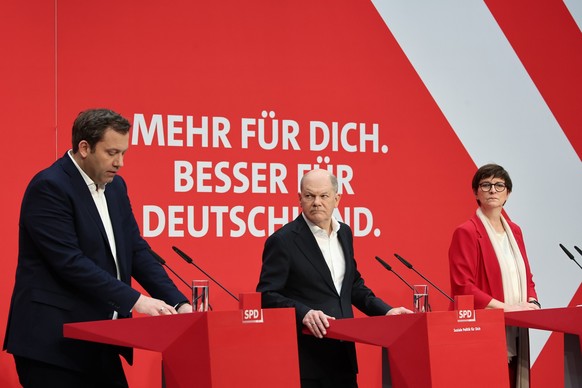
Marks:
<point>331,249</point>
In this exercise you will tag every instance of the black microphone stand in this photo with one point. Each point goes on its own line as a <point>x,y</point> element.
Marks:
<point>190,261</point>
<point>407,264</point>
<point>570,255</point>
<point>389,268</point>
<point>163,262</point>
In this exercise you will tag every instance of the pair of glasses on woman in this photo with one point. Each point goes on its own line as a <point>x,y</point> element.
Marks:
<point>486,186</point>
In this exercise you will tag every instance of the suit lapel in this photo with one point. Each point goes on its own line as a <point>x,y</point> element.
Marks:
<point>82,193</point>
<point>85,198</point>
<point>343,239</point>
<point>307,244</point>
<point>118,231</point>
<point>490,261</point>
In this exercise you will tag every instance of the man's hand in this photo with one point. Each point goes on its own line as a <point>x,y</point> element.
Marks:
<point>153,307</point>
<point>317,322</point>
<point>185,308</point>
<point>399,311</point>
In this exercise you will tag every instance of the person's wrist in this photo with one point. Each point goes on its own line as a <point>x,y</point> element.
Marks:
<point>177,307</point>
<point>536,303</point>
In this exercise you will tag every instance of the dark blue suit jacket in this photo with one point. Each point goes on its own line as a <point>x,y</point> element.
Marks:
<point>295,274</point>
<point>66,271</point>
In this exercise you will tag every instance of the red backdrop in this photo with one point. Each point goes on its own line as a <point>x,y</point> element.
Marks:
<point>255,72</point>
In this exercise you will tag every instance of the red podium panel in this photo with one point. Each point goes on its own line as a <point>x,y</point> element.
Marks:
<point>567,320</point>
<point>210,349</point>
<point>435,349</point>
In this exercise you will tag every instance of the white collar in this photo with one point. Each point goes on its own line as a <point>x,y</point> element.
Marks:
<point>335,225</point>
<point>92,185</point>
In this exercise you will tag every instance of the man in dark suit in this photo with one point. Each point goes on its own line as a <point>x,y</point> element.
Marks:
<point>79,247</point>
<point>309,264</point>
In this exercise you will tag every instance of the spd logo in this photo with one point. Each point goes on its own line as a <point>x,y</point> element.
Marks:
<point>466,316</point>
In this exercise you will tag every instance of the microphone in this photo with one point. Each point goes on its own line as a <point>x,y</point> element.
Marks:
<point>190,261</point>
<point>407,264</point>
<point>570,255</point>
<point>163,262</point>
<point>389,268</point>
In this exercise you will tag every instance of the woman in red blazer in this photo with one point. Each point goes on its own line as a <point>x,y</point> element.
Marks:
<point>487,259</point>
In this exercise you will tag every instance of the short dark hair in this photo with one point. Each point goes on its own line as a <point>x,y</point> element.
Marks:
<point>90,125</point>
<point>491,170</point>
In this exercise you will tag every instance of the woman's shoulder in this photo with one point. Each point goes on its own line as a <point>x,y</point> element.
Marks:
<point>471,227</point>
<point>514,227</point>
<point>472,224</point>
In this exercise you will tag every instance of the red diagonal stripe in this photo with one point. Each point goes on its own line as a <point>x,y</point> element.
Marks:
<point>549,44</point>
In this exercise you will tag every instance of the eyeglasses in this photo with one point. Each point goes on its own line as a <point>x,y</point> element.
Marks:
<point>486,186</point>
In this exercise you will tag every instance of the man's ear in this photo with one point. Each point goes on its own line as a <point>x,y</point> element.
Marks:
<point>84,148</point>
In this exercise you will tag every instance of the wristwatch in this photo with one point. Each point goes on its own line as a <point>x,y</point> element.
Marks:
<point>536,303</point>
<point>176,307</point>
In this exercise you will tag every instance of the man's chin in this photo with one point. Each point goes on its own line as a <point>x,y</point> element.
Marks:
<point>316,218</point>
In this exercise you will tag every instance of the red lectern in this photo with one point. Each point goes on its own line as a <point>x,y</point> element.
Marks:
<point>209,349</point>
<point>437,349</point>
<point>566,320</point>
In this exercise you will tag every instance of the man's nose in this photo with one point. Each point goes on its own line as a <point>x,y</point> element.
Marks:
<point>118,162</point>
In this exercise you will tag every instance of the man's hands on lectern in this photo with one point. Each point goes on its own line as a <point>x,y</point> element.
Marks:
<point>317,321</point>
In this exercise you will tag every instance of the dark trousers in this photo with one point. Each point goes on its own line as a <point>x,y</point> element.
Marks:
<point>512,367</point>
<point>344,381</point>
<point>38,374</point>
